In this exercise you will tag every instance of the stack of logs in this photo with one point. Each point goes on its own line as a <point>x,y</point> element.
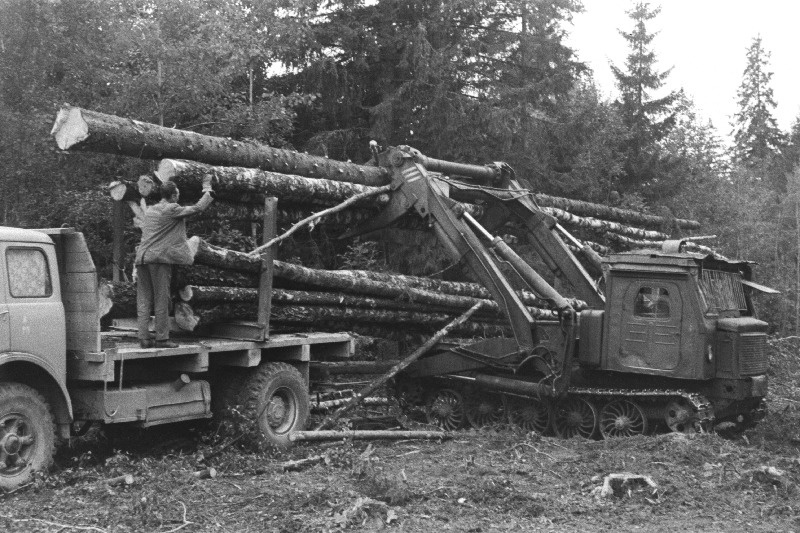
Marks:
<point>222,284</point>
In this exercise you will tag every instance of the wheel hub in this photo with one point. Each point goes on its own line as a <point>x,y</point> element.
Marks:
<point>11,444</point>
<point>276,411</point>
<point>623,423</point>
<point>16,442</point>
<point>442,408</point>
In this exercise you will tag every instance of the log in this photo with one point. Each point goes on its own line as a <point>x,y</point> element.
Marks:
<point>367,434</point>
<point>79,129</point>
<point>210,255</point>
<point>399,367</point>
<point>350,367</point>
<point>248,185</point>
<point>127,191</point>
<point>204,295</point>
<point>190,318</point>
<point>299,464</point>
<point>206,473</point>
<point>124,479</point>
<point>634,243</point>
<point>331,404</point>
<point>210,276</point>
<point>628,216</point>
<point>358,281</point>
<point>597,224</point>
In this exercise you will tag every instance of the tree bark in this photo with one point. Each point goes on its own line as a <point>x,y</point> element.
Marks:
<point>421,290</point>
<point>209,295</point>
<point>596,224</point>
<point>628,216</point>
<point>80,129</point>
<point>367,434</point>
<point>210,276</point>
<point>190,318</point>
<point>83,130</point>
<point>249,185</point>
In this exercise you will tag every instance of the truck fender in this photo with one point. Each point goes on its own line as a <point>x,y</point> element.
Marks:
<point>37,373</point>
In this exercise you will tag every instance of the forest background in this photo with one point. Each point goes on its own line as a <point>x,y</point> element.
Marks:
<point>472,81</point>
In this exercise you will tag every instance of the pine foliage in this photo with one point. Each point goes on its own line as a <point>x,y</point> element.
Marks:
<point>647,117</point>
<point>755,132</point>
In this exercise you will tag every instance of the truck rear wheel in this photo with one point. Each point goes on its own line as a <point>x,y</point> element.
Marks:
<point>275,398</point>
<point>27,434</point>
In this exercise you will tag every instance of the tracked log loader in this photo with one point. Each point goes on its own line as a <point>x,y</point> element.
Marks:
<point>670,340</point>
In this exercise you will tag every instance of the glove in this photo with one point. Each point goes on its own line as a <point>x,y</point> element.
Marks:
<point>207,183</point>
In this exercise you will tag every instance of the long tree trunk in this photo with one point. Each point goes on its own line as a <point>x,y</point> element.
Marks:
<point>628,216</point>
<point>203,295</point>
<point>421,290</point>
<point>190,318</point>
<point>81,129</point>
<point>250,185</point>
<point>596,224</point>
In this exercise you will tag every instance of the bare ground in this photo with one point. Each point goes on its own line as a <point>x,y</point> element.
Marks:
<point>480,481</point>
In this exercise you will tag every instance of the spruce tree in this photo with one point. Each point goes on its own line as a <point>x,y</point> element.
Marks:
<point>755,132</point>
<point>647,118</point>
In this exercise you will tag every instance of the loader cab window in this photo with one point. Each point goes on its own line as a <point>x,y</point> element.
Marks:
<point>652,302</point>
<point>28,273</point>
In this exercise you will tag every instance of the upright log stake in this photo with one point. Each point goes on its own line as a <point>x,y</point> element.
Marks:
<point>267,257</point>
<point>419,352</point>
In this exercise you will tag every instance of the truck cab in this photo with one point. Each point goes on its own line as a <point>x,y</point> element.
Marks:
<point>34,403</point>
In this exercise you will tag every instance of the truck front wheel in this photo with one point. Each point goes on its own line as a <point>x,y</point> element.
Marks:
<point>27,434</point>
<point>275,398</point>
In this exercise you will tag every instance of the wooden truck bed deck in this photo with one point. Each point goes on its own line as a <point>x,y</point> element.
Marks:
<point>196,354</point>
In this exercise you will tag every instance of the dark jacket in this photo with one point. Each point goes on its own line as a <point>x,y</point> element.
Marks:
<point>164,233</point>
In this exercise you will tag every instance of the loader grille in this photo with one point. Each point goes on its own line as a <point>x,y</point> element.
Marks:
<point>752,354</point>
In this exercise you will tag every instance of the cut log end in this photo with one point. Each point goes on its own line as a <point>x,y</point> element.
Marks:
<point>168,169</point>
<point>69,128</point>
<point>116,189</point>
<point>185,317</point>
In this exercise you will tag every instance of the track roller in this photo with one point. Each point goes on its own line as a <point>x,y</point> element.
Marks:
<point>445,408</point>
<point>529,414</point>
<point>574,417</point>
<point>484,409</point>
<point>622,418</point>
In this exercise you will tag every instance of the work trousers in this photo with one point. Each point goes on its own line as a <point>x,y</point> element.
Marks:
<point>152,294</point>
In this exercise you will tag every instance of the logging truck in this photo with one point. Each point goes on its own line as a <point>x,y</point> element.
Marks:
<point>59,373</point>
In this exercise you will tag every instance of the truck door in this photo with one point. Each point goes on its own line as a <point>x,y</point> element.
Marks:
<point>5,337</point>
<point>33,298</point>
<point>651,326</point>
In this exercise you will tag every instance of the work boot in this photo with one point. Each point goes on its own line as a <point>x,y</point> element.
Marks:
<point>147,343</point>
<point>166,344</point>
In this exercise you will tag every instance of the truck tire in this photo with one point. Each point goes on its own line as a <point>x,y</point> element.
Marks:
<point>27,434</point>
<point>275,398</point>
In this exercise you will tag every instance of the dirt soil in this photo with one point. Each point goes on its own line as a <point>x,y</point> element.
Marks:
<point>499,480</point>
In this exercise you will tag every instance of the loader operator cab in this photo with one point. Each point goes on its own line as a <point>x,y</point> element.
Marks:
<point>680,315</point>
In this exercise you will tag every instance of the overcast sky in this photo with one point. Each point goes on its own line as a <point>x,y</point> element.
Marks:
<point>706,42</point>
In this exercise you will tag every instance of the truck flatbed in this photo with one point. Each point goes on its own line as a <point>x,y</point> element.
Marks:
<point>196,354</point>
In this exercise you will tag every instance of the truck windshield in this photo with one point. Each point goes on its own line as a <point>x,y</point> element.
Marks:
<point>722,291</point>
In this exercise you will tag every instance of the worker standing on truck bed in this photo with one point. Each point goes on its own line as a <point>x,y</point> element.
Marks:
<point>163,245</point>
